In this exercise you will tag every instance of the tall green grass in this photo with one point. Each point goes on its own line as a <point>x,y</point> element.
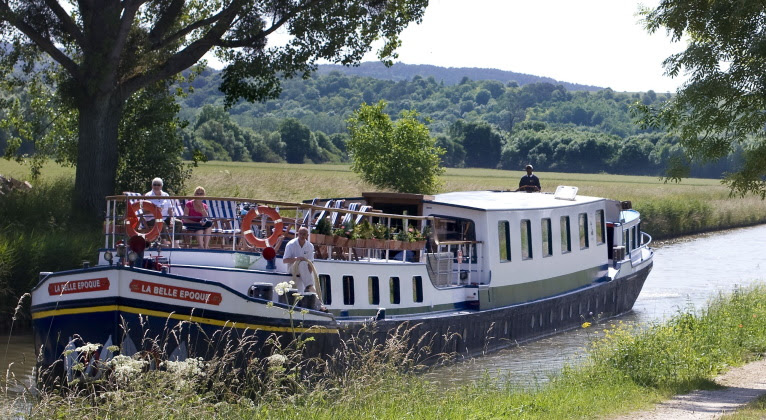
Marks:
<point>39,232</point>
<point>628,368</point>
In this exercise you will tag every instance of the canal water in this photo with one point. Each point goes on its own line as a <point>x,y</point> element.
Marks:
<point>686,274</point>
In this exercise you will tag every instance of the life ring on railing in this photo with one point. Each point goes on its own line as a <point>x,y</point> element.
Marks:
<point>247,231</point>
<point>131,221</point>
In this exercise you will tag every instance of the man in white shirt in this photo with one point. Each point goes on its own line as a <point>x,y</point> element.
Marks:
<point>299,251</point>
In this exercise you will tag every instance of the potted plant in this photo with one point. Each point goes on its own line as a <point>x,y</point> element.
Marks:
<point>380,235</point>
<point>339,238</point>
<point>322,233</point>
<point>363,233</point>
<point>420,237</point>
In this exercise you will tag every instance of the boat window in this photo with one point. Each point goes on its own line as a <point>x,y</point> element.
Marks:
<point>633,238</point>
<point>547,238</point>
<point>526,239</point>
<point>600,238</point>
<point>626,239</point>
<point>566,237</point>
<point>504,240</point>
<point>393,285</point>
<point>455,229</point>
<point>417,288</point>
<point>348,290</point>
<point>584,230</point>
<point>373,290</point>
<point>324,285</point>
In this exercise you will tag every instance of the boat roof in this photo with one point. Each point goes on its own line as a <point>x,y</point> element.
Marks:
<point>506,200</point>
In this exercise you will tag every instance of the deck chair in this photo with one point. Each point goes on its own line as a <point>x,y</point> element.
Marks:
<point>225,219</point>
<point>334,215</point>
<point>360,216</point>
<point>322,213</point>
<point>307,217</point>
<point>347,217</point>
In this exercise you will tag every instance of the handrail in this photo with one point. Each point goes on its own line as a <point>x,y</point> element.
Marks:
<point>645,243</point>
<point>286,204</point>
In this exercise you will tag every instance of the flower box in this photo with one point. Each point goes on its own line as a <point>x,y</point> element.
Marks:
<point>320,239</point>
<point>340,241</point>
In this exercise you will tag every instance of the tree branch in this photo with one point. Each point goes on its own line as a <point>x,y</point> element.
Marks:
<point>235,5</point>
<point>169,15</point>
<point>38,39</point>
<point>69,26</point>
<point>129,13</point>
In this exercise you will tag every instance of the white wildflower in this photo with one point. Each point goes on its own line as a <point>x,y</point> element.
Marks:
<point>125,368</point>
<point>187,368</point>
<point>276,360</point>
<point>88,348</point>
<point>282,288</point>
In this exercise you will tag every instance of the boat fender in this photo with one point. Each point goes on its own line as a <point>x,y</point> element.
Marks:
<point>249,235</point>
<point>132,222</point>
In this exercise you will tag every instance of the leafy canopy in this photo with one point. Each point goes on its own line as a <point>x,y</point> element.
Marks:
<point>104,52</point>
<point>401,155</point>
<point>721,106</point>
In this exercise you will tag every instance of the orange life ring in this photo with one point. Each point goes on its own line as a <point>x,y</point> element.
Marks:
<point>131,221</point>
<point>247,231</point>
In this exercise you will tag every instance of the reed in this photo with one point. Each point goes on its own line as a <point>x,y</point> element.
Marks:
<point>628,368</point>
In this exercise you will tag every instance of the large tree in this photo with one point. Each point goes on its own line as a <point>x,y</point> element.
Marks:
<point>721,106</point>
<point>107,50</point>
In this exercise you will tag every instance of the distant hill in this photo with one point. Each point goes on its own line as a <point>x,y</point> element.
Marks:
<point>449,75</point>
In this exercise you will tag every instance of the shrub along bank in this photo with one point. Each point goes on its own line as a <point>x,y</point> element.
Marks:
<point>628,368</point>
<point>38,232</point>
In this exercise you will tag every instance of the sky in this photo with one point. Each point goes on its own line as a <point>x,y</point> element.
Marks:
<point>592,42</point>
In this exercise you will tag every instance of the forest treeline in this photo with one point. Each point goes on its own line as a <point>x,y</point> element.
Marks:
<point>479,123</point>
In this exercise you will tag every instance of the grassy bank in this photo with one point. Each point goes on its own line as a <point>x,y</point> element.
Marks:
<point>628,368</point>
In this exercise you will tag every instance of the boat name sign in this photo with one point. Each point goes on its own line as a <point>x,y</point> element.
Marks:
<point>174,292</point>
<point>78,286</point>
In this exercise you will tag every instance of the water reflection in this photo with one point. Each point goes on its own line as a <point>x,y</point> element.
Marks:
<point>686,273</point>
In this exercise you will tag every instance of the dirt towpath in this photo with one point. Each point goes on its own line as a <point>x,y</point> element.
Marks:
<point>742,385</point>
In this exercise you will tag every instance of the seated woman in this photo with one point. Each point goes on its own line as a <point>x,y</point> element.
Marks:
<point>196,218</point>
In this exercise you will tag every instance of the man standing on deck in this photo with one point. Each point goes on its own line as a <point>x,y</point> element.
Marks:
<point>299,251</point>
<point>529,182</point>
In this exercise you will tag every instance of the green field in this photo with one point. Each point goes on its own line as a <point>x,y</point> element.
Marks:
<point>669,209</point>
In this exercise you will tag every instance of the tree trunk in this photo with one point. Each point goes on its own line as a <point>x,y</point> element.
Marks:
<point>96,154</point>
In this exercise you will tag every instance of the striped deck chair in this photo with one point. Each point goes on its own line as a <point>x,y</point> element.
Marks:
<point>307,217</point>
<point>347,217</point>
<point>334,215</point>
<point>360,216</point>
<point>225,218</point>
<point>323,213</point>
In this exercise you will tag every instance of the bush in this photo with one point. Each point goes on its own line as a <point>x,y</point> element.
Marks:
<point>39,231</point>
